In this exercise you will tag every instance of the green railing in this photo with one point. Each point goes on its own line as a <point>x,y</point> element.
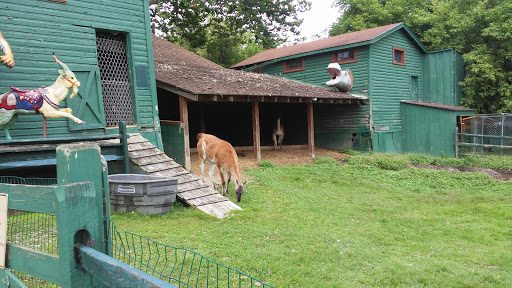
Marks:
<point>28,181</point>
<point>178,266</point>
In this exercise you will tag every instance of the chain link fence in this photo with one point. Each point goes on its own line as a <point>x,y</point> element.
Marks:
<point>485,134</point>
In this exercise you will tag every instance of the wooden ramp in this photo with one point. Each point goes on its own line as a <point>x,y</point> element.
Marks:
<point>191,188</point>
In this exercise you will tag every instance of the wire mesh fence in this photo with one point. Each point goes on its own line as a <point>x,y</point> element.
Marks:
<point>485,134</point>
<point>178,266</point>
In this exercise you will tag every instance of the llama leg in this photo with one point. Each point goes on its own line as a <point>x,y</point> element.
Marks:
<point>227,185</point>
<point>281,141</point>
<point>222,181</point>
<point>210,172</point>
<point>275,140</point>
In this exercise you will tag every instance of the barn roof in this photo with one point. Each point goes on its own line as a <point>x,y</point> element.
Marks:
<point>360,37</point>
<point>189,75</point>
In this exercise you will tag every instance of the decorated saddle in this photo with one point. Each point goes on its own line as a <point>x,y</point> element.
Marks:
<point>23,99</point>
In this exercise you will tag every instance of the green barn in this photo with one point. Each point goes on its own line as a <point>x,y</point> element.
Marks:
<point>107,44</point>
<point>389,65</point>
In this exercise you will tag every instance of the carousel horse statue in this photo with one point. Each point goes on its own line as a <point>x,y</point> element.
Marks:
<point>7,59</point>
<point>341,79</point>
<point>44,100</point>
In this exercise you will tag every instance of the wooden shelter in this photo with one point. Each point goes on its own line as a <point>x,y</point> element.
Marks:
<point>185,79</point>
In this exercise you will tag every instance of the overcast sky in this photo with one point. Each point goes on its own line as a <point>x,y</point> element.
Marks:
<point>318,19</point>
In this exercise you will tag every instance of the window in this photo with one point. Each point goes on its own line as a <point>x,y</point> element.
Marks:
<point>115,78</point>
<point>398,56</point>
<point>345,56</point>
<point>294,65</point>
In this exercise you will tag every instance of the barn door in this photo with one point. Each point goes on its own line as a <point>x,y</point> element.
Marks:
<point>88,103</point>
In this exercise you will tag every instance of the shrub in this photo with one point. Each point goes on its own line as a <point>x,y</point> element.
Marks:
<point>325,161</point>
<point>267,164</point>
<point>352,152</point>
<point>383,161</point>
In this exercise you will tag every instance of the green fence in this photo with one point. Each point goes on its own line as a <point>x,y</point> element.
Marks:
<point>50,227</point>
<point>178,266</point>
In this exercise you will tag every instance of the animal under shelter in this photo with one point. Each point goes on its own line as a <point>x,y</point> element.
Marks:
<point>240,107</point>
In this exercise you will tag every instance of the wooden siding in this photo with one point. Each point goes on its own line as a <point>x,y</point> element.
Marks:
<point>443,71</point>
<point>315,69</point>
<point>36,29</point>
<point>390,84</point>
<point>342,126</point>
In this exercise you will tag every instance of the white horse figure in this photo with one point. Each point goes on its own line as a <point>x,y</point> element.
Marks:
<point>341,79</point>
<point>44,100</point>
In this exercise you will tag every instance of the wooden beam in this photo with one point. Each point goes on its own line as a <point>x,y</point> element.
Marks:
<point>311,130</point>
<point>184,121</point>
<point>256,130</point>
<point>167,87</point>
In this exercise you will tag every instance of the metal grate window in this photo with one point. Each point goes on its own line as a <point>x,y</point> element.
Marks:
<point>115,80</point>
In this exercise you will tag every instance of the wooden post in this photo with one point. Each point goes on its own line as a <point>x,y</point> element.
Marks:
<point>311,130</point>
<point>124,144</point>
<point>256,130</point>
<point>184,122</point>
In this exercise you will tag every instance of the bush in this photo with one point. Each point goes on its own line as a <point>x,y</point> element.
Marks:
<point>267,164</point>
<point>352,152</point>
<point>488,161</point>
<point>324,161</point>
<point>383,161</point>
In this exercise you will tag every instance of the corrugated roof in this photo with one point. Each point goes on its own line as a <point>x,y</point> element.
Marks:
<point>335,41</point>
<point>188,72</point>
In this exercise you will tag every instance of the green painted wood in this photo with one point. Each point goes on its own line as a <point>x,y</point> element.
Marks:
<point>429,130</point>
<point>34,40</point>
<point>124,145</point>
<point>88,103</point>
<point>7,279</point>
<point>443,72</point>
<point>37,264</point>
<point>173,141</point>
<point>114,273</point>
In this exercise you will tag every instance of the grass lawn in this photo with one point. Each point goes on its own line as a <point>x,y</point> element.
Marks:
<point>341,225</point>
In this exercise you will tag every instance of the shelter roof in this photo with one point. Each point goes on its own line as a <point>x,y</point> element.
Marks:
<point>196,78</point>
<point>437,105</point>
<point>362,37</point>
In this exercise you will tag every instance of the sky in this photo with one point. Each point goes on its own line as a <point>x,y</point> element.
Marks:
<point>318,19</point>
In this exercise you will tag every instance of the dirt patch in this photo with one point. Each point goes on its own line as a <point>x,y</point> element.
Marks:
<point>495,173</point>
<point>285,156</point>
<point>299,156</point>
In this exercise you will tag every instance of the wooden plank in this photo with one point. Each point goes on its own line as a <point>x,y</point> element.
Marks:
<point>184,120</point>
<point>115,273</point>
<point>198,193</point>
<point>256,130</point>
<point>311,130</point>
<point>205,200</point>
<point>28,261</point>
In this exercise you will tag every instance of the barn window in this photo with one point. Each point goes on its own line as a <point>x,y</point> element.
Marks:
<point>398,56</point>
<point>294,65</point>
<point>115,78</point>
<point>345,56</point>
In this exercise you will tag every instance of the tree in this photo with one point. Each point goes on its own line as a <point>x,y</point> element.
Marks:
<point>364,14</point>
<point>197,23</point>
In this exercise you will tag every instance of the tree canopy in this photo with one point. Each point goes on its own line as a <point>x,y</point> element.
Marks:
<point>481,30</point>
<point>224,31</point>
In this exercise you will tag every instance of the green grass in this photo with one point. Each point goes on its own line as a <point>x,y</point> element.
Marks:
<point>339,225</point>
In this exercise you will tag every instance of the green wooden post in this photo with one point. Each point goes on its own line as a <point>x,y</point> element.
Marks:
<point>83,162</point>
<point>124,144</point>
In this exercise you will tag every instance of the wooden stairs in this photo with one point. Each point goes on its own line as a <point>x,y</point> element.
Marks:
<point>191,188</point>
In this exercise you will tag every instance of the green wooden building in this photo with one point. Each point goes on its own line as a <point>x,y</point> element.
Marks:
<point>107,44</point>
<point>389,65</point>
